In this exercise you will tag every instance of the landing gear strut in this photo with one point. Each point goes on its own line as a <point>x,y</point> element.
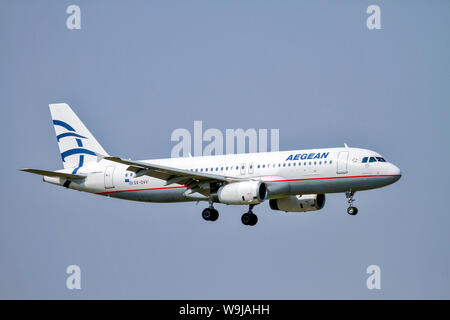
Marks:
<point>249,218</point>
<point>210,214</point>
<point>351,210</point>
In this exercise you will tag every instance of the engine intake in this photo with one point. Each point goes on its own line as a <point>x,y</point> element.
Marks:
<point>246,192</point>
<point>299,203</point>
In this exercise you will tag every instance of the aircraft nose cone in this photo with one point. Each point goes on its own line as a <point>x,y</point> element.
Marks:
<point>395,172</point>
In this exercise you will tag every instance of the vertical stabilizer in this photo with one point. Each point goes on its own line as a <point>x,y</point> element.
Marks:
<point>76,143</point>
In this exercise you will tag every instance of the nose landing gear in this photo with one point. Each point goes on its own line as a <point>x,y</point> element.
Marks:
<point>351,210</point>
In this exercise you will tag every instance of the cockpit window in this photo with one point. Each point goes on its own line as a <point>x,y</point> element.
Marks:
<point>373,159</point>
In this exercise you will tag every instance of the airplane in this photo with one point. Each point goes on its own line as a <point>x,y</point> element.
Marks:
<point>290,181</point>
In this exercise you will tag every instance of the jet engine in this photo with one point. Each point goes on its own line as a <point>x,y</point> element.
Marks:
<point>246,192</point>
<point>299,203</point>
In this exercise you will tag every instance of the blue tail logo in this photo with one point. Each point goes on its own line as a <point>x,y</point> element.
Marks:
<point>72,133</point>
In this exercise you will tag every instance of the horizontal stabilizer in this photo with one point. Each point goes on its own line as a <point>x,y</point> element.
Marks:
<point>55,174</point>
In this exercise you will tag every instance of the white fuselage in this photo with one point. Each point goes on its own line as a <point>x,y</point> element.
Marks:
<point>312,171</point>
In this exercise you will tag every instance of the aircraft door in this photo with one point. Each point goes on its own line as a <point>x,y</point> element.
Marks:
<point>243,168</point>
<point>109,175</point>
<point>342,162</point>
<point>250,168</point>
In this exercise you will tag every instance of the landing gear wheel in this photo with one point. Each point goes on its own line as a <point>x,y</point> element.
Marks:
<point>245,219</point>
<point>214,215</point>
<point>206,214</point>
<point>352,211</point>
<point>254,219</point>
<point>249,219</point>
<point>210,214</point>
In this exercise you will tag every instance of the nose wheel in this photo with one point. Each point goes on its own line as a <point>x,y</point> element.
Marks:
<point>249,218</point>
<point>351,210</point>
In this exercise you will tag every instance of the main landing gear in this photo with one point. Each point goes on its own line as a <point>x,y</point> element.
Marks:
<point>210,214</point>
<point>249,218</point>
<point>351,210</point>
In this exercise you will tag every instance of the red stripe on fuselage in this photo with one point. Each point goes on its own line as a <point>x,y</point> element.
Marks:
<point>107,192</point>
<point>347,177</point>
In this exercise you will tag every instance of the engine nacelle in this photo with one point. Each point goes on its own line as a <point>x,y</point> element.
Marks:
<point>246,192</point>
<point>299,203</point>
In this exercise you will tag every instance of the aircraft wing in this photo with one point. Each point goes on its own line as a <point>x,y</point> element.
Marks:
<point>171,175</point>
<point>54,174</point>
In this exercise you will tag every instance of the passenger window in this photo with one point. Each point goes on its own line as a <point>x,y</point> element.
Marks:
<point>364,160</point>
<point>372,159</point>
<point>284,164</point>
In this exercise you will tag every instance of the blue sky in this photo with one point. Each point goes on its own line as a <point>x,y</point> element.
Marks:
<point>137,71</point>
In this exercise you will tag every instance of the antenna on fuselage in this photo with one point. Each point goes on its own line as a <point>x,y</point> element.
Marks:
<point>345,145</point>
